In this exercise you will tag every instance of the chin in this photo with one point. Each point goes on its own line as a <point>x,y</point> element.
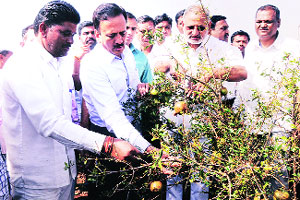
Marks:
<point>118,53</point>
<point>195,41</point>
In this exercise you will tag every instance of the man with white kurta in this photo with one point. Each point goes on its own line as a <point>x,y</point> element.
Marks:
<point>38,130</point>
<point>200,58</point>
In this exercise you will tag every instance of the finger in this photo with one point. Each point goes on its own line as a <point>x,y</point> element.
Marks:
<point>142,91</point>
<point>167,171</point>
<point>189,93</point>
<point>172,163</point>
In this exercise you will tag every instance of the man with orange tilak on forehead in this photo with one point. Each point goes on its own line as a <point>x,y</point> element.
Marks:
<point>201,51</point>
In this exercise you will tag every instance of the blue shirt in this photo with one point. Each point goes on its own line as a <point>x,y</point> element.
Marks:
<point>142,65</point>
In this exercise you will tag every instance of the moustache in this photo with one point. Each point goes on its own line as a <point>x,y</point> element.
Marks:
<point>67,46</point>
<point>264,29</point>
<point>195,37</point>
<point>119,45</point>
<point>91,39</point>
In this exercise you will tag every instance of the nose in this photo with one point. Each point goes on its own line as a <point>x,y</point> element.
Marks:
<point>129,31</point>
<point>242,44</point>
<point>70,40</point>
<point>263,24</point>
<point>195,31</point>
<point>119,39</point>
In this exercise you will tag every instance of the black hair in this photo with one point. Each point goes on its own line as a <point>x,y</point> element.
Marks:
<point>214,19</point>
<point>105,11</point>
<point>5,52</point>
<point>240,32</point>
<point>271,7</point>
<point>130,15</point>
<point>55,13</point>
<point>145,18</point>
<point>162,18</point>
<point>84,24</point>
<point>179,14</point>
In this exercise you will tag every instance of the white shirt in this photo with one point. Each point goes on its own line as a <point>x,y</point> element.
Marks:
<point>159,52</point>
<point>208,55</point>
<point>106,80</point>
<point>38,130</point>
<point>266,60</point>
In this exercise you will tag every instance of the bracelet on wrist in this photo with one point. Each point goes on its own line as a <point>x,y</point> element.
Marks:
<point>108,145</point>
<point>77,58</point>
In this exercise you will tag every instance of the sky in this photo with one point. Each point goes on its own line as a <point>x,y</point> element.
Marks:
<point>17,14</point>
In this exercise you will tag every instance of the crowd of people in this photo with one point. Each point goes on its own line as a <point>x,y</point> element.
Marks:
<point>56,97</point>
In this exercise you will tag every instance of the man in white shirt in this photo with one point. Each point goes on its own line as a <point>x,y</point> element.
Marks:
<point>240,39</point>
<point>199,52</point>
<point>266,55</point>
<point>179,21</point>
<point>263,56</point>
<point>219,27</point>
<point>145,30</point>
<point>109,77</point>
<point>38,130</point>
<point>163,25</point>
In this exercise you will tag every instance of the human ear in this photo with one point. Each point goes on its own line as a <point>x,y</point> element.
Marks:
<point>97,33</point>
<point>279,22</point>
<point>43,29</point>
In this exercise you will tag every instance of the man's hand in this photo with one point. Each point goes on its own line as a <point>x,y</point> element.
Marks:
<point>198,87</point>
<point>143,88</point>
<point>119,149</point>
<point>123,150</point>
<point>168,161</point>
<point>82,51</point>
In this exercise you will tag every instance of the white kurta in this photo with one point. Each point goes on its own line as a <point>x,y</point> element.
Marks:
<point>38,130</point>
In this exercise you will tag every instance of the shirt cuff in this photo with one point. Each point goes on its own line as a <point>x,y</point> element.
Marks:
<point>141,143</point>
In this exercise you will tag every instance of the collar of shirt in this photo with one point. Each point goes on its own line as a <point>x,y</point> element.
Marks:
<point>107,56</point>
<point>45,55</point>
<point>209,42</point>
<point>111,60</point>
<point>276,44</point>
